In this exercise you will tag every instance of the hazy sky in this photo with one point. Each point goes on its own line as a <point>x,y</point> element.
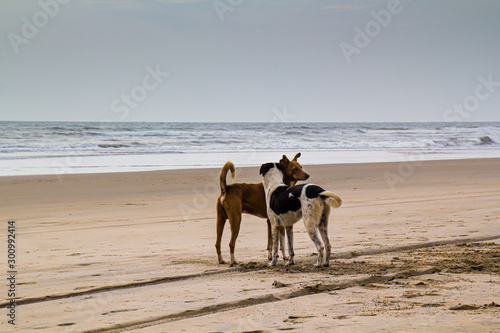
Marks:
<point>250,60</point>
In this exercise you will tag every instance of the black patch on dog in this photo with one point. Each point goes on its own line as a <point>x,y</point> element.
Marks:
<point>296,190</point>
<point>268,166</point>
<point>313,191</point>
<point>284,200</point>
<point>264,168</point>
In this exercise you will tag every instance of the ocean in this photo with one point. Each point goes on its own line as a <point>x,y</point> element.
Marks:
<point>28,148</point>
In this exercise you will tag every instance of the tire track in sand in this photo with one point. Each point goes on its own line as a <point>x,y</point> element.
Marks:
<point>268,298</point>
<point>161,280</point>
<point>103,289</point>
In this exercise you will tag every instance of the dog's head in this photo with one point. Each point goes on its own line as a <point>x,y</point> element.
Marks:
<point>265,168</point>
<point>293,170</point>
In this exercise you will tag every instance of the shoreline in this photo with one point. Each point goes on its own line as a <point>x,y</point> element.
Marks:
<point>218,168</point>
<point>61,166</point>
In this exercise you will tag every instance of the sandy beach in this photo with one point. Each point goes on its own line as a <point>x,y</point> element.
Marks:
<point>416,248</point>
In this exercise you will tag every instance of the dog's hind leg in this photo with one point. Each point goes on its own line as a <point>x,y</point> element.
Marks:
<point>269,241</point>
<point>291,253</point>
<point>323,230</point>
<point>234,222</point>
<point>221,221</point>
<point>312,230</point>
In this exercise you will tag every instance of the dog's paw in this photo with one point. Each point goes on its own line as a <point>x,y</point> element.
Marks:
<point>272,264</point>
<point>290,262</point>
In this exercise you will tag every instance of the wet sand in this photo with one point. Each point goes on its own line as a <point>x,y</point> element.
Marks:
<point>415,248</point>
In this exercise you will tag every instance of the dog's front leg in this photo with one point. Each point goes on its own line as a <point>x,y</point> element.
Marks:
<point>282,243</point>
<point>291,253</point>
<point>276,234</point>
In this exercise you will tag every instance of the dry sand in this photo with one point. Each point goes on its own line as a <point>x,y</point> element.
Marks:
<point>415,245</point>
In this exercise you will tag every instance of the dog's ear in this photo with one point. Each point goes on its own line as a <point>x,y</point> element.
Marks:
<point>284,160</point>
<point>296,156</point>
<point>265,168</point>
<point>281,167</point>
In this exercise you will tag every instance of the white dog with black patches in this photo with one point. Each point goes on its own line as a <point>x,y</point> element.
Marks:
<point>287,205</point>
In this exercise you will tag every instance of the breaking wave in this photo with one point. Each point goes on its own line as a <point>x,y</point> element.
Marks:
<point>51,139</point>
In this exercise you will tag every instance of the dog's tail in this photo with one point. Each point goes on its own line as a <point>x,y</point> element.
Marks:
<point>331,198</point>
<point>223,174</point>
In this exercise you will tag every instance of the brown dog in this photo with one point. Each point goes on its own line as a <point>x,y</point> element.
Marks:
<point>239,198</point>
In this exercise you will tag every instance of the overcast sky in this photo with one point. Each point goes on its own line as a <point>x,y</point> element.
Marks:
<point>250,60</point>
